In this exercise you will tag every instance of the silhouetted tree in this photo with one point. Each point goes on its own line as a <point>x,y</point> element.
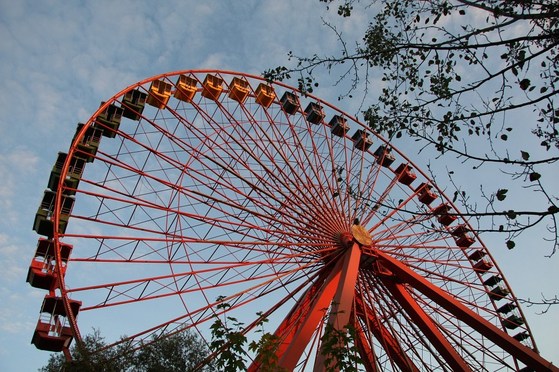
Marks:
<point>473,80</point>
<point>183,351</point>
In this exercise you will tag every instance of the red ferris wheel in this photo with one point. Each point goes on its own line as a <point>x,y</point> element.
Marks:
<point>195,189</point>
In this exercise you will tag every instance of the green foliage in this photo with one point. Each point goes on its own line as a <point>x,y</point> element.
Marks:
<point>89,359</point>
<point>185,351</point>
<point>182,351</point>
<point>534,176</point>
<point>435,54</point>
<point>344,9</point>
<point>228,341</point>
<point>339,350</point>
<point>266,348</point>
<point>229,344</point>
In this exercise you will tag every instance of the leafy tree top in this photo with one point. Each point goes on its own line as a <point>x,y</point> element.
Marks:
<point>476,80</point>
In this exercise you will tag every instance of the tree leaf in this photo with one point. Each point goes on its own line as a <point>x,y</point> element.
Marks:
<point>524,84</point>
<point>511,214</point>
<point>511,244</point>
<point>501,194</point>
<point>534,176</point>
<point>525,155</point>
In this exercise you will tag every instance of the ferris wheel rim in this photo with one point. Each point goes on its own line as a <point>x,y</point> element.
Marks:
<point>115,98</point>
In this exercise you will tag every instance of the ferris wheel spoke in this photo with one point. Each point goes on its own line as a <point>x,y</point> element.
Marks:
<point>207,158</point>
<point>368,202</point>
<point>163,162</point>
<point>206,313</point>
<point>451,277</point>
<point>294,190</point>
<point>412,241</point>
<point>301,151</point>
<point>244,200</point>
<point>366,352</point>
<point>161,210</point>
<point>134,156</point>
<point>298,327</point>
<point>361,186</point>
<point>349,193</point>
<point>375,182</point>
<point>444,269</point>
<point>398,326</point>
<point>499,337</point>
<point>214,277</point>
<point>438,318</point>
<point>322,175</point>
<point>317,159</point>
<point>392,347</point>
<point>246,149</point>
<point>155,184</point>
<point>414,317</point>
<point>259,145</point>
<point>461,337</point>
<point>427,326</point>
<point>388,216</point>
<point>410,220</point>
<point>267,194</point>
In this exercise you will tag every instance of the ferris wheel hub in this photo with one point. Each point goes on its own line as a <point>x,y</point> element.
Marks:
<point>344,239</point>
<point>361,235</point>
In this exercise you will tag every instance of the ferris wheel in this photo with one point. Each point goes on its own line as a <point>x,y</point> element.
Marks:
<point>195,189</point>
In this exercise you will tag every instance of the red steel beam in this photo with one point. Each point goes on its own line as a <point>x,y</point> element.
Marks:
<point>297,328</point>
<point>521,352</point>
<point>384,336</point>
<point>426,324</point>
<point>343,300</point>
<point>299,341</point>
<point>290,326</point>
<point>365,350</point>
<point>334,287</point>
<point>342,304</point>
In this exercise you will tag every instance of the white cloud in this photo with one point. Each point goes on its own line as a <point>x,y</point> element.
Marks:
<point>19,164</point>
<point>12,260</point>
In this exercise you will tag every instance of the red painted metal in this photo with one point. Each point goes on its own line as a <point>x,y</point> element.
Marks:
<point>365,351</point>
<point>231,196</point>
<point>314,316</point>
<point>342,304</point>
<point>426,325</point>
<point>386,339</point>
<point>341,309</point>
<point>292,322</point>
<point>496,335</point>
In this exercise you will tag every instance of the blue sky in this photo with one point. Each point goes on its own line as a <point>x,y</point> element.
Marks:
<point>59,59</point>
